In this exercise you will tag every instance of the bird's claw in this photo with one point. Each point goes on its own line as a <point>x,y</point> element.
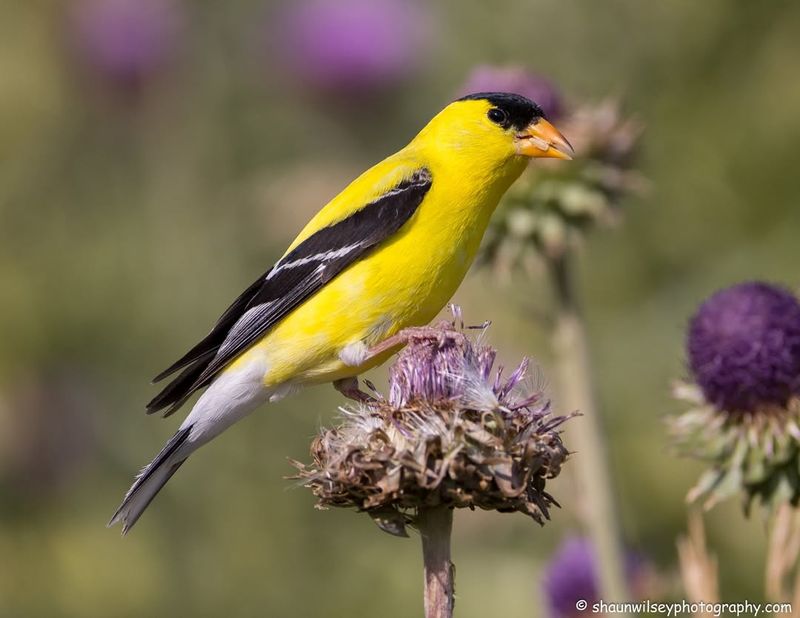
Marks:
<point>349,388</point>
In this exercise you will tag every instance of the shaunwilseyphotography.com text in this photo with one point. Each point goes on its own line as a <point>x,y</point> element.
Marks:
<point>687,608</point>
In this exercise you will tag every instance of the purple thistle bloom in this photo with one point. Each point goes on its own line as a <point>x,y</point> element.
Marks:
<point>126,41</point>
<point>744,347</point>
<point>487,78</point>
<point>452,370</point>
<point>435,372</point>
<point>570,577</point>
<point>351,44</point>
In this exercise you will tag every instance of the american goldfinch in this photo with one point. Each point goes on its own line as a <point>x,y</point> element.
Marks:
<point>387,253</point>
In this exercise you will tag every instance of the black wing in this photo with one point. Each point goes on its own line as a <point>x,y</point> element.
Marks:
<point>298,275</point>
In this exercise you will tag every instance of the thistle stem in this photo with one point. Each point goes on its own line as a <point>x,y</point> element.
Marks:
<point>573,372</point>
<point>435,525</point>
<point>699,569</point>
<point>782,552</point>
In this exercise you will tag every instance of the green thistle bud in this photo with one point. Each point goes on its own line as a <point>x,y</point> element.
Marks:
<point>549,210</point>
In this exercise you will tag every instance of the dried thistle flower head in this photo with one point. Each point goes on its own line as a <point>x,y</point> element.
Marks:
<point>451,433</point>
<point>744,354</point>
<point>549,210</point>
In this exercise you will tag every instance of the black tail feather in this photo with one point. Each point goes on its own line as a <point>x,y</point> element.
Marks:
<point>174,443</point>
<point>134,517</point>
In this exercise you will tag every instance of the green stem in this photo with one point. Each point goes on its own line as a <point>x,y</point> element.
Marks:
<point>435,526</point>
<point>576,389</point>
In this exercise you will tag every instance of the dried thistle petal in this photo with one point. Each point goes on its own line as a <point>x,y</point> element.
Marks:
<point>450,433</point>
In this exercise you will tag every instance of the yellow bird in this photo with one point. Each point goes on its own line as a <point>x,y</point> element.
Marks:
<point>387,253</point>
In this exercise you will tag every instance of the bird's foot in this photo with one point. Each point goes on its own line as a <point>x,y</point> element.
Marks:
<point>441,332</point>
<point>349,388</point>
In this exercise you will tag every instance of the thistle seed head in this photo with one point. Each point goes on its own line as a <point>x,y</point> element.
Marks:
<point>451,433</point>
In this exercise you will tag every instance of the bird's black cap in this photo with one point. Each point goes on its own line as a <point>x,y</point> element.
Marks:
<point>520,110</point>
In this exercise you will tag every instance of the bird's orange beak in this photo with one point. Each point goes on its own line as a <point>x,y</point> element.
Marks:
<point>540,139</point>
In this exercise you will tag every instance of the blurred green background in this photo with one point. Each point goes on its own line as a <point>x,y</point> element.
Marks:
<point>139,194</point>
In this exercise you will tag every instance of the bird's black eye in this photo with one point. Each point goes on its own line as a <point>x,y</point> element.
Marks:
<point>498,116</point>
